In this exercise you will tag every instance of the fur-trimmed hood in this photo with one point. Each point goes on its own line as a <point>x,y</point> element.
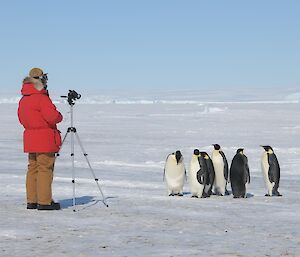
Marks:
<point>36,82</point>
<point>33,86</point>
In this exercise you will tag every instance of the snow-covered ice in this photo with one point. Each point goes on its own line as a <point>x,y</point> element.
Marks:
<point>127,140</point>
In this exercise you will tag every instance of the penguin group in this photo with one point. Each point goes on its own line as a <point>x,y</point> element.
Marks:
<point>210,175</point>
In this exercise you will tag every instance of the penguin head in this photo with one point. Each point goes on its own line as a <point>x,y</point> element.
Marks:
<point>268,148</point>
<point>196,152</point>
<point>217,147</point>
<point>205,155</point>
<point>240,151</point>
<point>178,156</point>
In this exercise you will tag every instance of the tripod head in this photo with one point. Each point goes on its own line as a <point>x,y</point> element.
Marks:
<point>72,97</point>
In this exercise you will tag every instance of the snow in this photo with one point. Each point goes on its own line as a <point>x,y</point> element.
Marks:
<point>128,139</point>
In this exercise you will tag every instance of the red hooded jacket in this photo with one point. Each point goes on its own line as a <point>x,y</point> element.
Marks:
<point>39,117</point>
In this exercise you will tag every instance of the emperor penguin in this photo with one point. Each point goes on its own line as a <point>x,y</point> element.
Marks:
<point>221,171</point>
<point>271,171</point>
<point>175,172</point>
<point>202,174</point>
<point>210,175</point>
<point>196,186</point>
<point>239,174</point>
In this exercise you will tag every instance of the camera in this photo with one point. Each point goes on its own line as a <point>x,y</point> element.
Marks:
<point>72,97</point>
<point>44,79</point>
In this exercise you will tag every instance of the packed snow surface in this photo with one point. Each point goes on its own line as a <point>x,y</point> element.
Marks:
<point>127,141</point>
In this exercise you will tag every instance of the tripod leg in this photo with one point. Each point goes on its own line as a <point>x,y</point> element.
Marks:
<point>73,170</point>
<point>62,144</point>
<point>96,179</point>
<point>73,165</point>
<point>72,154</point>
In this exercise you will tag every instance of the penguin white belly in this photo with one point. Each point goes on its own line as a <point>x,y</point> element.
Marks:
<point>265,171</point>
<point>195,187</point>
<point>246,187</point>
<point>220,182</point>
<point>175,178</point>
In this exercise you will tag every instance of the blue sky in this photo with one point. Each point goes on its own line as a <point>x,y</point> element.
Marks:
<point>126,45</point>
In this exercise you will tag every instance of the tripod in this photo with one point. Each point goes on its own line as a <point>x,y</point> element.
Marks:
<point>73,133</point>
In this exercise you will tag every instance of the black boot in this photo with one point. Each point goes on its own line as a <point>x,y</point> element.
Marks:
<point>31,206</point>
<point>48,207</point>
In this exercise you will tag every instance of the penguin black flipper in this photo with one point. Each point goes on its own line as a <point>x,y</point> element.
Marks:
<point>271,174</point>
<point>202,173</point>
<point>200,176</point>
<point>225,165</point>
<point>211,172</point>
<point>274,169</point>
<point>274,173</point>
<point>211,175</point>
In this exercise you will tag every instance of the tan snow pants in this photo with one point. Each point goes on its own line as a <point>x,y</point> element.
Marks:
<point>39,177</point>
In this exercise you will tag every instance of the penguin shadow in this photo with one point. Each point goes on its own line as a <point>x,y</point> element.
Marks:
<point>249,195</point>
<point>85,201</point>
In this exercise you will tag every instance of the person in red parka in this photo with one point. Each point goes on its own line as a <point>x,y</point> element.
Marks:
<point>41,138</point>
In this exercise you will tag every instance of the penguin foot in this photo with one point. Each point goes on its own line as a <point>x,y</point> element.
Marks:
<point>238,196</point>
<point>226,192</point>
<point>219,194</point>
<point>194,196</point>
<point>180,194</point>
<point>205,195</point>
<point>277,194</point>
<point>267,195</point>
<point>171,194</point>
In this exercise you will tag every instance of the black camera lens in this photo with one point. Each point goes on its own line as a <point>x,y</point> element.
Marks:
<point>72,96</point>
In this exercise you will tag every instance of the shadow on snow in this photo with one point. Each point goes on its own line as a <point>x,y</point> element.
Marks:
<point>85,201</point>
